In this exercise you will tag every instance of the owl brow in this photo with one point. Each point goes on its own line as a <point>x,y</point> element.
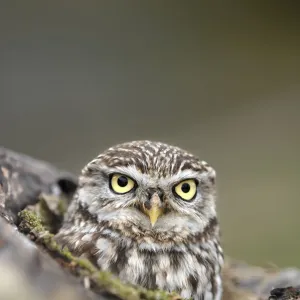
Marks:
<point>129,171</point>
<point>184,175</point>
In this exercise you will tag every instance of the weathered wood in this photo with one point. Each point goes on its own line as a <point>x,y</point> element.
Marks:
<point>256,283</point>
<point>288,293</point>
<point>23,179</point>
<point>28,274</point>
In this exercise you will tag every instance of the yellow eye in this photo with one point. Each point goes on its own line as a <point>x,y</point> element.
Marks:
<point>121,184</point>
<point>186,189</point>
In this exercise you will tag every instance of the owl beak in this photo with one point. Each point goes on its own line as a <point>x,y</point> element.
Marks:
<point>153,208</point>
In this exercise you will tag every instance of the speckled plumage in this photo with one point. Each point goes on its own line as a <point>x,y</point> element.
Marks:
<point>180,253</point>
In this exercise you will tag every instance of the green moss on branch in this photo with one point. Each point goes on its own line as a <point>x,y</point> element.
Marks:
<point>31,224</point>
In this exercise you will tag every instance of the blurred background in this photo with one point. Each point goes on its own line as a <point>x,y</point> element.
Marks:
<point>219,79</point>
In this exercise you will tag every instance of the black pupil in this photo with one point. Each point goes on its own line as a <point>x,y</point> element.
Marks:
<point>185,187</point>
<point>122,181</point>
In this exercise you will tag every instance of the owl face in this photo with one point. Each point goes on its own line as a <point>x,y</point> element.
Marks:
<point>151,186</point>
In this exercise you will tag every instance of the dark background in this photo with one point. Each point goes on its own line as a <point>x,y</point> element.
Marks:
<point>219,79</point>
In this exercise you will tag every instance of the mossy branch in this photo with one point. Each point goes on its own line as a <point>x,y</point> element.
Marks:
<point>32,225</point>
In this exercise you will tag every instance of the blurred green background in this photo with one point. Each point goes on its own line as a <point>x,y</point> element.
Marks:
<point>220,79</point>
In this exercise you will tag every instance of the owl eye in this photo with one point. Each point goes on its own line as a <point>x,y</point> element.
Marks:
<point>186,189</point>
<point>121,184</point>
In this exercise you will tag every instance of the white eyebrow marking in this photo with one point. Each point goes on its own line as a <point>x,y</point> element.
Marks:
<point>148,179</point>
<point>182,175</point>
<point>130,171</point>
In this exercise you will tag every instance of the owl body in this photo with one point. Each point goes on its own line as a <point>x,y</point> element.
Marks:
<point>145,211</point>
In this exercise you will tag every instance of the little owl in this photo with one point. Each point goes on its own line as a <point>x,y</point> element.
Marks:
<point>146,212</point>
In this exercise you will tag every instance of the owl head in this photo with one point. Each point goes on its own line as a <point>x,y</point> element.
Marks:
<point>150,186</point>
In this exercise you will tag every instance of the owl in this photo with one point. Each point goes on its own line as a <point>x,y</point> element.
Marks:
<point>146,212</point>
